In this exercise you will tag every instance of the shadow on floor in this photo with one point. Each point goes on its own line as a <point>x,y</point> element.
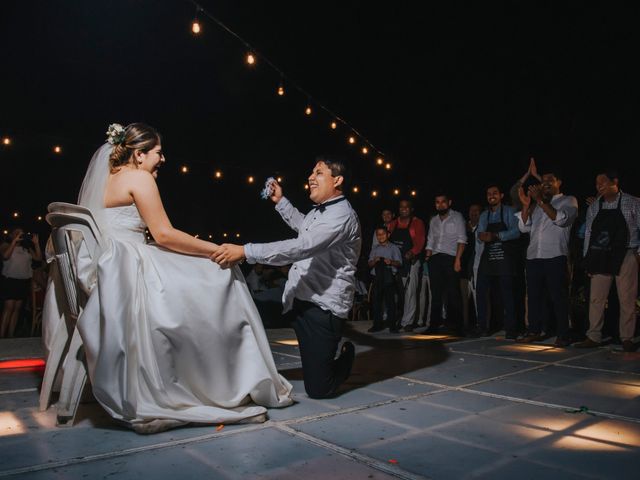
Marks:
<point>388,358</point>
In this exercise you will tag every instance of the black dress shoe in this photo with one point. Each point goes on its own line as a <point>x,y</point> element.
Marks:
<point>375,329</point>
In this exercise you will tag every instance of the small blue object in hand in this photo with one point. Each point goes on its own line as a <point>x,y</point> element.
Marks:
<point>267,190</point>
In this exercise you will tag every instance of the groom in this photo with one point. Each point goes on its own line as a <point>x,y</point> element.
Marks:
<point>321,281</point>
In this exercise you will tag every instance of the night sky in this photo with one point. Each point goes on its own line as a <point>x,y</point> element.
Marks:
<point>456,97</point>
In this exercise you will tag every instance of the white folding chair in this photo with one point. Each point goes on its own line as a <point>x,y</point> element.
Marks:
<point>73,229</point>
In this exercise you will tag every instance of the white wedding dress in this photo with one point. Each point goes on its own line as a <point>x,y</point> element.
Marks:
<point>173,336</point>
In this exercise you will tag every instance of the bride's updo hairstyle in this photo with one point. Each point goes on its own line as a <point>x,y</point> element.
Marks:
<point>137,136</point>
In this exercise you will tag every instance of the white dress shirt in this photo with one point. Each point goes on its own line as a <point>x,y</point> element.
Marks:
<point>324,255</point>
<point>445,234</point>
<point>550,238</point>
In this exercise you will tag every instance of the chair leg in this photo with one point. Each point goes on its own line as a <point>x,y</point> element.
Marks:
<point>54,363</point>
<point>74,377</point>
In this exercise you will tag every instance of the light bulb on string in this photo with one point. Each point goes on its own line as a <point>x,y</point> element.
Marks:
<point>356,189</point>
<point>365,150</point>
<point>6,141</point>
<point>396,192</point>
<point>379,161</point>
<point>57,149</point>
<point>237,235</point>
<point>250,179</point>
<point>374,193</point>
<point>352,140</point>
<point>16,214</point>
<point>224,235</point>
<point>218,174</point>
<point>306,186</point>
<point>334,125</point>
<point>387,166</point>
<point>195,26</point>
<point>210,237</point>
<point>251,59</point>
<point>279,179</point>
<point>184,169</point>
<point>307,110</point>
<point>413,193</point>
<point>39,218</point>
<point>281,88</point>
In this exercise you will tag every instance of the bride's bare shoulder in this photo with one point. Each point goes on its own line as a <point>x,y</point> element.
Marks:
<point>132,175</point>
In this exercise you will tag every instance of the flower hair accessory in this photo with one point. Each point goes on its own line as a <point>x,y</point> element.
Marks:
<point>115,134</point>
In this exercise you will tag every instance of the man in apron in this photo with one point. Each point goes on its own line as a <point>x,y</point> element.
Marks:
<point>611,252</point>
<point>497,229</point>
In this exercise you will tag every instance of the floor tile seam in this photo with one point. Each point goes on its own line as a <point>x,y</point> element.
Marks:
<point>555,406</point>
<point>69,462</point>
<point>359,408</point>
<point>580,367</point>
<point>387,468</point>
<point>287,354</point>
<point>19,390</point>
<point>519,451</point>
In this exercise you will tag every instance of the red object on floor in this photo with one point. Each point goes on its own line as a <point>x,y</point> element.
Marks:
<point>22,363</point>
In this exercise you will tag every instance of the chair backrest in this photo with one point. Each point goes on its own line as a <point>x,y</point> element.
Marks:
<point>70,231</point>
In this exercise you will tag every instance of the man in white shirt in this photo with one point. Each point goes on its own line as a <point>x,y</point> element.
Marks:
<point>548,220</point>
<point>445,245</point>
<point>321,282</point>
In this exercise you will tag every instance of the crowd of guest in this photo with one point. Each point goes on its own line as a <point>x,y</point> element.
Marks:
<point>517,264</point>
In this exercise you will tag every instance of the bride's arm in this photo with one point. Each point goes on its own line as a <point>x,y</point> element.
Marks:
<point>144,190</point>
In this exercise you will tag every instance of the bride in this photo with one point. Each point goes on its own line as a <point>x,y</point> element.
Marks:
<point>170,337</point>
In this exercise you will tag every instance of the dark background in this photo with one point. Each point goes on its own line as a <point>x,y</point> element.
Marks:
<point>456,95</point>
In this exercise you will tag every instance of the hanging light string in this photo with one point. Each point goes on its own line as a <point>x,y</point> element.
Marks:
<point>200,11</point>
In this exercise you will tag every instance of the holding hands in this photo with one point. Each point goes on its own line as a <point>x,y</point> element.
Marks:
<point>228,255</point>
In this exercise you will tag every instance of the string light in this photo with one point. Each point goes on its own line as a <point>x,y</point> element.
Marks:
<point>413,193</point>
<point>308,110</point>
<point>251,60</point>
<point>195,26</point>
<point>210,237</point>
<point>6,141</point>
<point>379,161</point>
<point>250,179</point>
<point>334,125</point>
<point>39,219</point>
<point>218,174</point>
<point>184,169</point>
<point>374,193</point>
<point>57,149</point>
<point>352,140</point>
<point>356,189</point>
<point>281,88</point>
<point>224,235</point>
<point>16,214</point>
<point>306,186</point>
<point>279,179</point>
<point>6,232</point>
<point>396,192</point>
<point>365,150</point>
<point>237,235</point>
<point>388,166</point>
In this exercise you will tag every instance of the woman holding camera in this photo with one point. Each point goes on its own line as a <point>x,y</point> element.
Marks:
<point>18,255</point>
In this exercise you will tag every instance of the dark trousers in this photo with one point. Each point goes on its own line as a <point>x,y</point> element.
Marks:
<point>547,279</point>
<point>483,287</point>
<point>319,333</point>
<point>445,283</point>
<point>384,298</point>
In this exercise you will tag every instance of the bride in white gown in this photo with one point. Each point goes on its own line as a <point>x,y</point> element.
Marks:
<point>170,337</point>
